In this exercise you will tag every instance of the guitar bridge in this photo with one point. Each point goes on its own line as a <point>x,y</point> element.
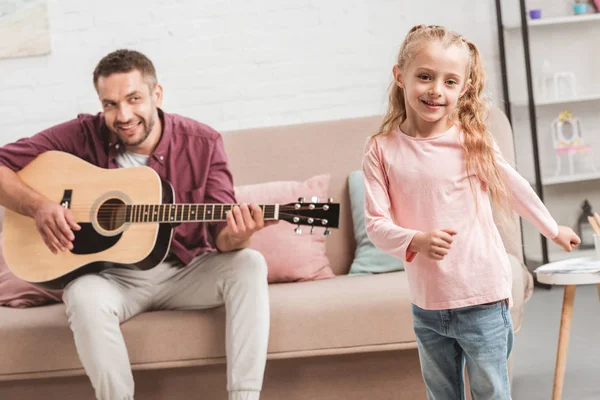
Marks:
<point>66,200</point>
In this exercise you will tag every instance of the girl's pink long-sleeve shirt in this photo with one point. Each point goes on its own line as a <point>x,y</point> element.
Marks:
<point>420,185</point>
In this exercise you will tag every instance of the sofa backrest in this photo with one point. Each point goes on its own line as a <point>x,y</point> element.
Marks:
<point>297,152</point>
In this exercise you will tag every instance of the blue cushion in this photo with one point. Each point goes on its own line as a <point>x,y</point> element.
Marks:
<point>368,259</point>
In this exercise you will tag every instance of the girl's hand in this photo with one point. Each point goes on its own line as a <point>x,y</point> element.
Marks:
<point>566,238</point>
<point>434,244</point>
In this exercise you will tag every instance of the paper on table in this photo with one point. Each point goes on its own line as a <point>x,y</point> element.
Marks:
<point>573,266</point>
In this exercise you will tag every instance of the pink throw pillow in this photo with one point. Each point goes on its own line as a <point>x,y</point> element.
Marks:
<point>290,257</point>
<point>17,293</point>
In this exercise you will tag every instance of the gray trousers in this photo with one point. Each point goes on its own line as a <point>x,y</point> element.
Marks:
<point>96,304</point>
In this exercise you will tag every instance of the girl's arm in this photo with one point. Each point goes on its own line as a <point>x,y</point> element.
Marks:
<point>529,206</point>
<point>381,229</point>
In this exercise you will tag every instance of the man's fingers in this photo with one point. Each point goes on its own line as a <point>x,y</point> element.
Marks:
<point>71,221</point>
<point>53,238</point>
<point>64,228</point>
<point>231,221</point>
<point>257,216</point>
<point>48,242</point>
<point>239,219</point>
<point>63,233</point>
<point>248,221</point>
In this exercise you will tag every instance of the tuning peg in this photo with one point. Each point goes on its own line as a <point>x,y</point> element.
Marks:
<point>296,220</point>
<point>310,220</point>
<point>330,200</point>
<point>298,230</point>
<point>312,229</point>
<point>314,199</point>
<point>325,207</point>
<point>300,199</point>
<point>327,232</point>
<point>324,222</point>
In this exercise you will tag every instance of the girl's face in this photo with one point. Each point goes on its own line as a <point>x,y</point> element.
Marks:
<point>434,81</point>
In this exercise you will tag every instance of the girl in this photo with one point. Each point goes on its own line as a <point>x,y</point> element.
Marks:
<point>429,173</point>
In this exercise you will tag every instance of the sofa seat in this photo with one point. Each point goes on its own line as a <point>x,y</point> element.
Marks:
<point>346,314</point>
<point>338,315</point>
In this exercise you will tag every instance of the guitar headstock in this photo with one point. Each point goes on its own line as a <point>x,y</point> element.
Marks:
<point>313,214</point>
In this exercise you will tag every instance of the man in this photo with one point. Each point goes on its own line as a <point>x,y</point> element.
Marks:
<point>133,131</point>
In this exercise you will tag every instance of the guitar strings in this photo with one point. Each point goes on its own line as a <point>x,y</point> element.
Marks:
<point>111,206</point>
<point>142,219</point>
<point>141,213</point>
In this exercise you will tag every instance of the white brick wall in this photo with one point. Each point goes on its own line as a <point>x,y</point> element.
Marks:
<point>234,63</point>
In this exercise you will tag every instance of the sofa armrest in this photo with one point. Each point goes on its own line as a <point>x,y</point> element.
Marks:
<point>522,289</point>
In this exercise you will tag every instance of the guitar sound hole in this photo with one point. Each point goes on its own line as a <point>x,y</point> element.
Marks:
<point>112,214</point>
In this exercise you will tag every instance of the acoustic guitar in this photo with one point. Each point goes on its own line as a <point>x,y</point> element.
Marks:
<point>127,216</point>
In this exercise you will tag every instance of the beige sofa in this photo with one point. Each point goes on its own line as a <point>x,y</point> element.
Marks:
<point>350,337</point>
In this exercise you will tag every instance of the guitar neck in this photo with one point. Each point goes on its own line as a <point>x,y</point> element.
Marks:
<point>188,212</point>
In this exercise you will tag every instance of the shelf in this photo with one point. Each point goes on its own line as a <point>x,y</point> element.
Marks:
<point>568,19</point>
<point>566,100</point>
<point>556,180</point>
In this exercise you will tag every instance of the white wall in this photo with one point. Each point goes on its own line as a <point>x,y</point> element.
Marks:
<point>234,63</point>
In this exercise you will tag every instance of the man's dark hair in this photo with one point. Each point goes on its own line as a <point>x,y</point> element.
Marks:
<point>123,61</point>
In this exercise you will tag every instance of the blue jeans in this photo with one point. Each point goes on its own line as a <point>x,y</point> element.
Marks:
<point>481,336</point>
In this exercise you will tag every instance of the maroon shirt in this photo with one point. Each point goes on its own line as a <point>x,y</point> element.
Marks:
<point>189,155</point>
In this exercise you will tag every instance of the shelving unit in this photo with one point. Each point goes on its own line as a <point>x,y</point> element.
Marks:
<point>559,39</point>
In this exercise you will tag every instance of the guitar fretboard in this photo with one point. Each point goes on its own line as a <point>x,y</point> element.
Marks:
<point>187,212</point>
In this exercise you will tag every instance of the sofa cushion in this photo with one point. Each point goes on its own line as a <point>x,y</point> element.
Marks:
<point>368,259</point>
<point>290,257</point>
<point>343,314</point>
<point>346,314</point>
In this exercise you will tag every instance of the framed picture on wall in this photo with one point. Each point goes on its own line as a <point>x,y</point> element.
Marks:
<point>24,28</point>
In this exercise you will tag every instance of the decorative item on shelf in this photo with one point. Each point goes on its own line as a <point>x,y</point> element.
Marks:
<point>584,226</point>
<point>569,79</point>
<point>555,84</point>
<point>571,145</point>
<point>536,13</point>
<point>580,7</point>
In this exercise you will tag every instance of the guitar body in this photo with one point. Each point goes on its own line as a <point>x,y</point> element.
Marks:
<point>94,195</point>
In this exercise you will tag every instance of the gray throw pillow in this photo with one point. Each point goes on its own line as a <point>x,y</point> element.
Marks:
<point>368,259</point>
